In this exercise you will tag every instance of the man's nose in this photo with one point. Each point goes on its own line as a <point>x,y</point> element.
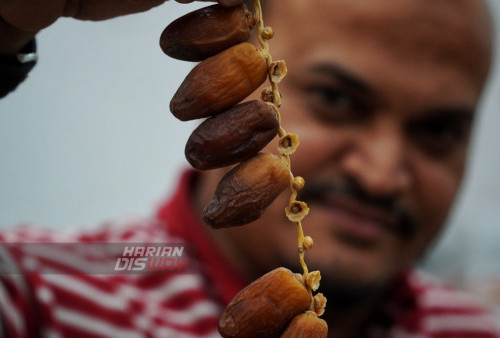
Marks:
<point>378,159</point>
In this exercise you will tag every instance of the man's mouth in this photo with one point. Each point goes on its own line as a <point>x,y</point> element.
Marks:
<point>357,223</point>
<point>355,216</point>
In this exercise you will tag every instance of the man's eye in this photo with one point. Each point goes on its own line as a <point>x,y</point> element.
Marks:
<point>334,105</point>
<point>440,138</point>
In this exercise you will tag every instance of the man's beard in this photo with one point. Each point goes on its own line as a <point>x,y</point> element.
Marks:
<point>317,191</point>
<point>346,291</point>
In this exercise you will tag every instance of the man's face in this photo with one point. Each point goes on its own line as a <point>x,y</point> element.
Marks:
<point>382,96</point>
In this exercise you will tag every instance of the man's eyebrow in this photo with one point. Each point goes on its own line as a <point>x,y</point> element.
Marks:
<point>343,75</point>
<point>463,113</point>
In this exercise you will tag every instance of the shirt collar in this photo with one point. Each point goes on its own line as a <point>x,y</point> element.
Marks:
<point>183,221</point>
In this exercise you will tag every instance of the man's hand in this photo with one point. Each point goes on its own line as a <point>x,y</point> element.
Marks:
<point>20,20</point>
<point>34,15</point>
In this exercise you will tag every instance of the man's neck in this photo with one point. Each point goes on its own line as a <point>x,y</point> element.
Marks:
<point>348,323</point>
<point>343,322</point>
<point>202,191</point>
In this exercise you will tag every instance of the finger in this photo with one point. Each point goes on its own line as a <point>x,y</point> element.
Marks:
<point>230,3</point>
<point>102,10</point>
<point>227,3</point>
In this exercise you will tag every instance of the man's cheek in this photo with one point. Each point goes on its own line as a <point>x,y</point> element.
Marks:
<point>436,191</point>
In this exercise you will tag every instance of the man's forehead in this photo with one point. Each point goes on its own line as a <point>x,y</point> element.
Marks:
<point>459,16</point>
<point>456,31</point>
<point>464,21</point>
<point>383,9</point>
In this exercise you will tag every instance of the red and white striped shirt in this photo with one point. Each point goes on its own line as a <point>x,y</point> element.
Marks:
<point>67,303</point>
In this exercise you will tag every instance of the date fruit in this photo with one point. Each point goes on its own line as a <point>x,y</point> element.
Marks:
<point>246,191</point>
<point>206,32</point>
<point>263,308</point>
<point>306,325</point>
<point>219,82</point>
<point>232,136</point>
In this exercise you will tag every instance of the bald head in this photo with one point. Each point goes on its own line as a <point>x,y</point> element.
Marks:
<point>382,94</point>
<point>451,30</point>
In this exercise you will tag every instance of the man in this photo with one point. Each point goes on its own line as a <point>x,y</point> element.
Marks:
<point>382,97</point>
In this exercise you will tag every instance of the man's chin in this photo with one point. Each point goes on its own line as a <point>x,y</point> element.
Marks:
<point>346,288</point>
<point>345,294</point>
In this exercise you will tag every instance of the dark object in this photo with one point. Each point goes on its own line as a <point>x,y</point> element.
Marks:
<point>246,191</point>
<point>232,136</point>
<point>206,32</point>
<point>219,82</point>
<point>14,68</point>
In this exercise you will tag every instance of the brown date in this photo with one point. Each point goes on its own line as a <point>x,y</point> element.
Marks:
<point>263,308</point>
<point>219,82</point>
<point>206,32</point>
<point>306,325</point>
<point>245,191</point>
<point>232,136</point>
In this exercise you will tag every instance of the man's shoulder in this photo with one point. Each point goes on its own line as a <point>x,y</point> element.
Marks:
<point>73,280</point>
<point>442,308</point>
<point>432,292</point>
<point>130,229</point>
<point>31,249</point>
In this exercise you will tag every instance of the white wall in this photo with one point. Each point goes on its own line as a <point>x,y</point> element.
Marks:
<point>468,253</point>
<point>90,137</point>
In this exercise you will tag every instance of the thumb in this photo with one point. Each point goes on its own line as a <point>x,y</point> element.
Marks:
<point>227,3</point>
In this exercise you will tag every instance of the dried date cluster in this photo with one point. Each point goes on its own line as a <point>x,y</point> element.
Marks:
<point>234,133</point>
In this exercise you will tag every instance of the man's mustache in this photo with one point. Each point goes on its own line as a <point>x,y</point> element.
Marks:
<point>406,223</point>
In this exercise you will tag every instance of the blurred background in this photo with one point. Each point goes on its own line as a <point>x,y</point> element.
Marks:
<point>89,137</point>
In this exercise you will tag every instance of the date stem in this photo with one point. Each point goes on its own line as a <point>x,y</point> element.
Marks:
<point>275,74</point>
